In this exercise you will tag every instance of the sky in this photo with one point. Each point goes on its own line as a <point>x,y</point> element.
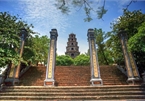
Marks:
<point>45,16</point>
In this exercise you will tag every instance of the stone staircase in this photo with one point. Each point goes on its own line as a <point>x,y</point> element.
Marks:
<point>72,76</point>
<point>115,92</point>
<point>72,83</point>
<point>35,76</point>
<point>112,76</point>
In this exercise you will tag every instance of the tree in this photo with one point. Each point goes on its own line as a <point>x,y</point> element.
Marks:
<point>88,5</point>
<point>136,44</point>
<point>137,41</point>
<point>129,21</point>
<point>36,49</point>
<point>133,24</point>
<point>103,55</point>
<point>9,38</point>
<point>64,6</point>
<point>115,50</point>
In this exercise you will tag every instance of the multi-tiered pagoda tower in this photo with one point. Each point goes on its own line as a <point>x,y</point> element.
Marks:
<point>72,48</point>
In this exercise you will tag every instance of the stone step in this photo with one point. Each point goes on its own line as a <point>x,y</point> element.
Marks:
<point>73,90</point>
<point>116,92</point>
<point>101,100</point>
<point>97,97</point>
<point>75,93</point>
<point>122,87</point>
<point>69,78</point>
<point>113,84</point>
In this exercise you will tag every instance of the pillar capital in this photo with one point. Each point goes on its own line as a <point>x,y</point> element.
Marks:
<point>91,34</point>
<point>122,33</point>
<point>53,34</point>
<point>23,33</point>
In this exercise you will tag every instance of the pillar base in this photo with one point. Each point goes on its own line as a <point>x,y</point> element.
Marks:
<point>134,81</point>
<point>96,82</point>
<point>9,81</point>
<point>16,81</point>
<point>49,82</point>
<point>12,81</point>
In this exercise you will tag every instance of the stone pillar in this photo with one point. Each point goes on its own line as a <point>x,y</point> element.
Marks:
<point>49,80</point>
<point>23,35</point>
<point>131,67</point>
<point>95,70</point>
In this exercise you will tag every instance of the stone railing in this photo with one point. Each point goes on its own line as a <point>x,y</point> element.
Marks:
<point>24,70</point>
<point>143,77</point>
<point>121,69</point>
<point>3,77</point>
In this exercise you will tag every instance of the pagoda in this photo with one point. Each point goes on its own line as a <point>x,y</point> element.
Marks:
<point>72,48</point>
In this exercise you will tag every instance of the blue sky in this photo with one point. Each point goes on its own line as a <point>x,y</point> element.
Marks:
<point>44,16</point>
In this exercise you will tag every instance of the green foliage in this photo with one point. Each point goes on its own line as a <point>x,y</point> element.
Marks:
<point>129,21</point>
<point>133,23</point>
<point>101,11</point>
<point>37,50</point>
<point>64,60</point>
<point>103,53</point>
<point>64,6</point>
<point>137,41</point>
<point>82,60</point>
<point>9,38</point>
<point>114,47</point>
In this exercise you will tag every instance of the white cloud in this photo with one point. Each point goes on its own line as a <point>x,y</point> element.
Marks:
<point>45,16</point>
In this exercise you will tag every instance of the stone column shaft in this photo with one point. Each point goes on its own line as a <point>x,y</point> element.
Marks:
<point>49,80</point>
<point>19,64</point>
<point>24,34</point>
<point>95,70</point>
<point>132,71</point>
<point>127,60</point>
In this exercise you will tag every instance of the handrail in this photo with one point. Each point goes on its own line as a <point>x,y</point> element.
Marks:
<point>121,69</point>
<point>3,77</point>
<point>24,70</point>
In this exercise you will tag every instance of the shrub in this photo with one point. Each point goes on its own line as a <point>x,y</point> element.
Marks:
<point>64,60</point>
<point>82,60</point>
